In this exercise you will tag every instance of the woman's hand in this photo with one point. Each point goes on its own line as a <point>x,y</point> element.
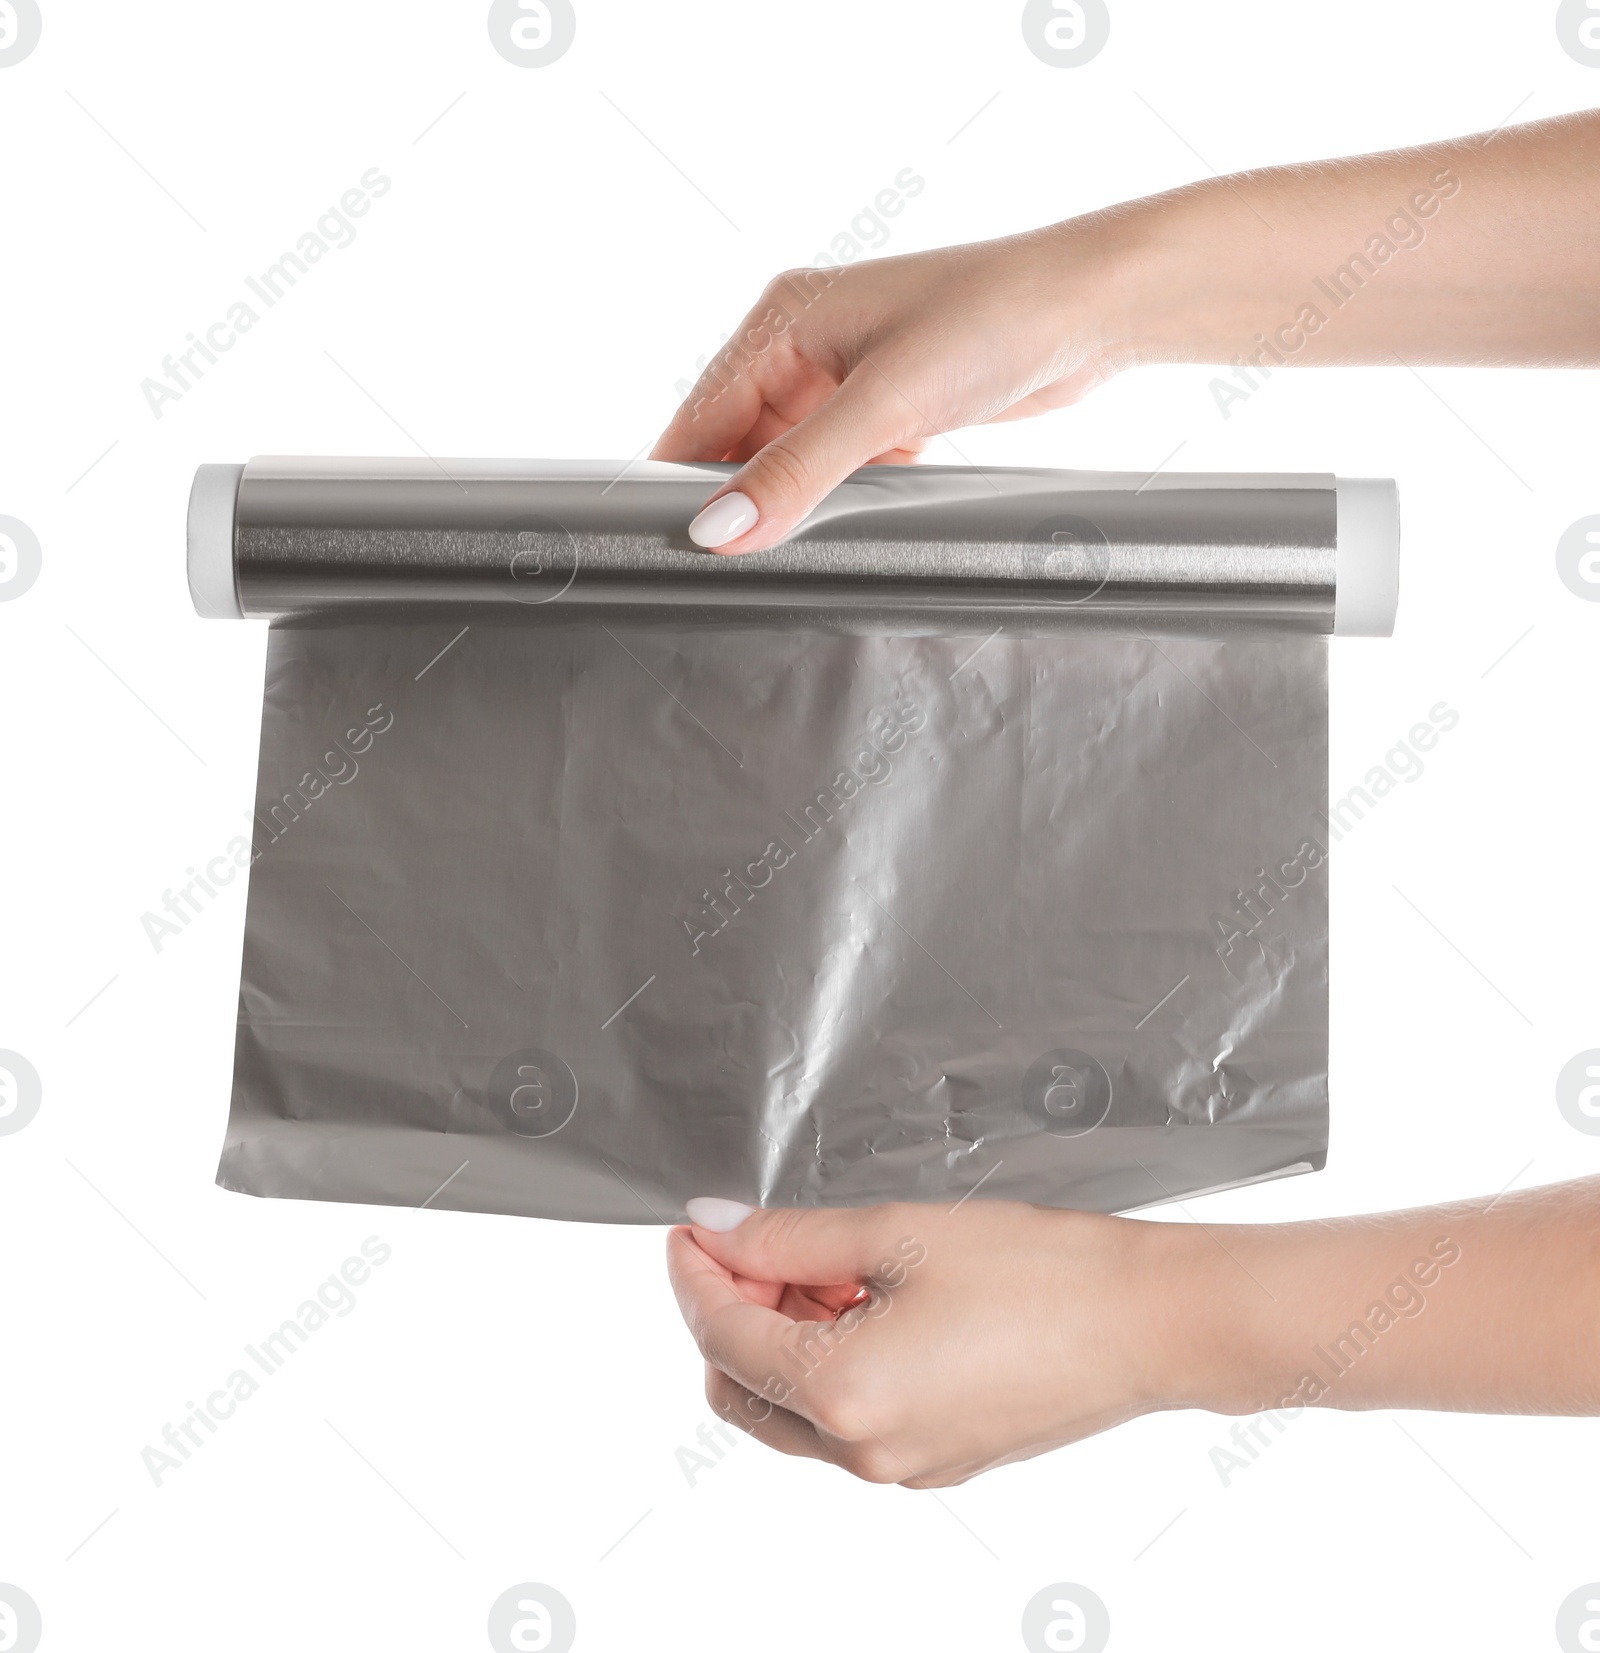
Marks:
<point>835,369</point>
<point>1481,249</point>
<point>980,1335</point>
<point>925,1343</point>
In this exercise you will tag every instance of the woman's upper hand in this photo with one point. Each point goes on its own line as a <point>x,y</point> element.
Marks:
<point>838,368</point>
<point>1486,254</point>
<point>922,1344</point>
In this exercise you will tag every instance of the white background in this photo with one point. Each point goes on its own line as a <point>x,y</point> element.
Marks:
<point>535,282</point>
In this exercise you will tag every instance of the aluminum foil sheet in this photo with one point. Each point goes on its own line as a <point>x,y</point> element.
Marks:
<point>851,891</point>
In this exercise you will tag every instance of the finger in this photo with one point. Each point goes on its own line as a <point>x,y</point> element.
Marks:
<point>768,427</point>
<point>813,1302</point>
<point>766,1294</point>
<point>772,1425</point>
<point>907,455</point>
<point>760,362</point>
<point>862,1453</point>
<point>758,373</point>
<point>714,417</point>
<point>835,1247</point>
<point>776,490</point>
<point>753,1345</point>
<point>797,398</point>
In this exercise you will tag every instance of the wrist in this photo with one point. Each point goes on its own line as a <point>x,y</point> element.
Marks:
<point>1170,278</point>
<point>1203,1323</point>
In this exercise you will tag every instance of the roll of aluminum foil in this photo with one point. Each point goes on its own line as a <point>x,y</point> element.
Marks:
<point>968,843</point>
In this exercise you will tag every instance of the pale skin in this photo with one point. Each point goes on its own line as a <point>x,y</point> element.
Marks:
<point>993,1332</point>
<point>923,1344</point>
<point>832,370</point>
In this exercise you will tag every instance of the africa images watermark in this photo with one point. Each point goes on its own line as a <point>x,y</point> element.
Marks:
<point>1404,1298</point>
<point>336,767</point>
<point>869,766</point>
<point>335,1298</point>
<point>1401,232</point>
<point>1255,904</point>
<point>713,1442</point>
<point>814,1341</point>
<point>867,231</point>
<point>333,232</point>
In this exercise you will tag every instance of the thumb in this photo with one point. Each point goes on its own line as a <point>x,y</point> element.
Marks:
<point>779,487</point>
<point>812,1247</point>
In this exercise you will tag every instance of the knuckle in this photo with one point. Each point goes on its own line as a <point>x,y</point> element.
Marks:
<point>868,1461</point>
<point>780,466</point>
<point>709,1337</point>
<point>719,1389</point>
<point>783,285</point>
<point>805,284</point>
<point>779,1230</point>
<point>718,376</point>
<point>733,1403</point>
<point>850,1402</point>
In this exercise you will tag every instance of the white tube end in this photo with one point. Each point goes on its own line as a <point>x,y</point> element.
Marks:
<point>1367,559</point>
<point>211,505</point>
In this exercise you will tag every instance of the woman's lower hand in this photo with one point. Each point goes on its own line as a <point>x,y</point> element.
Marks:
<point>923,1344</point>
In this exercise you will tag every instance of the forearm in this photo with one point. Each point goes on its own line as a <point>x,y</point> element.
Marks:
<point>1486,1306</point>
<point>1484,249</point>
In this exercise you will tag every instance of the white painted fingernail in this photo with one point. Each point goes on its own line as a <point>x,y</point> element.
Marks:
<point>723,520</point>
<point>716,1216</point>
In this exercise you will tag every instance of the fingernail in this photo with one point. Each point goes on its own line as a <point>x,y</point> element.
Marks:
<point>723,520</point>
<point>716,1216</point>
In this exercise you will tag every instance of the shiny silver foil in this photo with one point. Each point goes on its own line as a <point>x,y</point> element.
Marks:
<point>940,851</point>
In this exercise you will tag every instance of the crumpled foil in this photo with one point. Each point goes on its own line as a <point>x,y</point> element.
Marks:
<point>583,919</point>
